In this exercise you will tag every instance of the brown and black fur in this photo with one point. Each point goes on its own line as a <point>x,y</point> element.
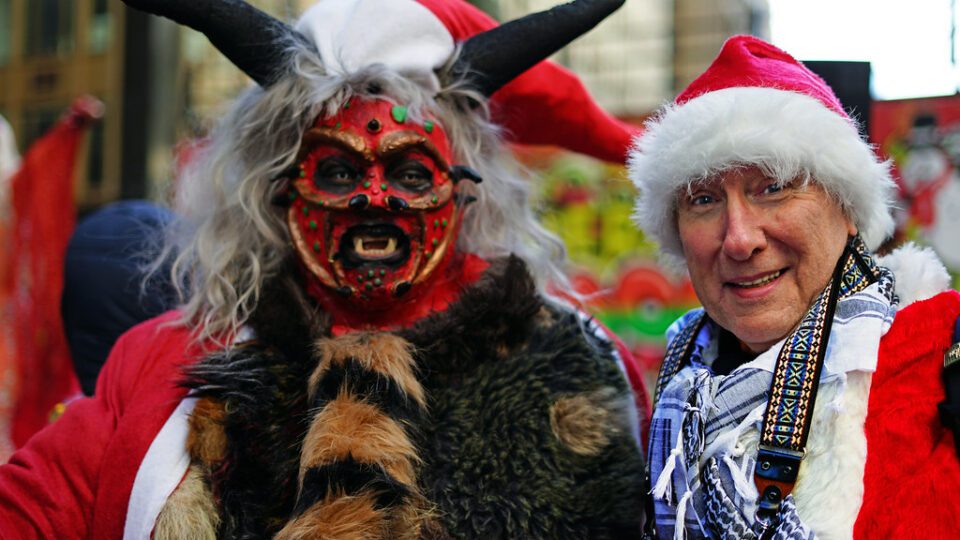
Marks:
<point>499,418</point>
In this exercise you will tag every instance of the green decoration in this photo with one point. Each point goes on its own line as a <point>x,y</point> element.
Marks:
<point>399,113</point>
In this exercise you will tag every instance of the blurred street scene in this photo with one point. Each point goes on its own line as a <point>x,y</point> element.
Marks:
<point>155,89</point>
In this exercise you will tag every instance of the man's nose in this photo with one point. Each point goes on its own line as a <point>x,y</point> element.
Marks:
<point>745,233</point>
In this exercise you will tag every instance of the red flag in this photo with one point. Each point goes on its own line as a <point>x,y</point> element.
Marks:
<point>44,215</point>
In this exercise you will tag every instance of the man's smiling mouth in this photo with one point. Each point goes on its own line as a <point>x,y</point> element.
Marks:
<point>759,282</point>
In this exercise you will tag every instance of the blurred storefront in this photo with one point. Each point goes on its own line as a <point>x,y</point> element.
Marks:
<point>51,51</point>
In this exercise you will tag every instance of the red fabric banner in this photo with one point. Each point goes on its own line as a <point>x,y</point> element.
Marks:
<point>44,215</point>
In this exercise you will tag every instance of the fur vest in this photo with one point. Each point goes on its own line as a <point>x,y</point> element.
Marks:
<point>501,417</point>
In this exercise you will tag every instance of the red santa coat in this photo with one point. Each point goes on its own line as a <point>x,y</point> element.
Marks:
<point>74,479</point>
<point>912,474</point>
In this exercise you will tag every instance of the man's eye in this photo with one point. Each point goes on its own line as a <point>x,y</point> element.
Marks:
<point>773,188</point>
<point>411,175</point>
<point>700,200</point>
<point>335,175</point>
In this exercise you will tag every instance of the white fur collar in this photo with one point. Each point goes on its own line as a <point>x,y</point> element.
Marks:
<point>918,272</point>
<point>829,490</point>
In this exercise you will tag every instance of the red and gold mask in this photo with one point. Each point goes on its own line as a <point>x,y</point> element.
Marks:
<point>373,215</point>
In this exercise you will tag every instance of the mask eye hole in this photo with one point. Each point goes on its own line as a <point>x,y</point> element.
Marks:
<point>410,174</point>
<point>336,175</point>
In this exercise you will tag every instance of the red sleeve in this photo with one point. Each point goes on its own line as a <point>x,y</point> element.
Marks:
<point>47,488</point>
<point>56,485</point>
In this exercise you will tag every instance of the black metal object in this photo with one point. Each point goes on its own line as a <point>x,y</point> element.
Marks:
<point>949,408</point>
<point>850,81</point>
<point>462,172</point>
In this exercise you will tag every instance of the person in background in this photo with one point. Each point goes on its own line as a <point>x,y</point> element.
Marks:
<point>365,349</point>
<point>801,400</point>
<point>104,293</point>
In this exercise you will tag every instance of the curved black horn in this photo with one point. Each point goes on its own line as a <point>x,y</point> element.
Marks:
<point>254,41</point>
<point>493,58</point>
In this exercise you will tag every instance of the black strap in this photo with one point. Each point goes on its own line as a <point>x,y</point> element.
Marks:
<point>950,407</point>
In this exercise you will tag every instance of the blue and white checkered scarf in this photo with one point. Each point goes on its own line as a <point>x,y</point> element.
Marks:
<point>701,472</point>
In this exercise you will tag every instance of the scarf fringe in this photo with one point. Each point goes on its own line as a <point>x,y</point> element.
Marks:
<point>662,489</point>
<point>680,529</point>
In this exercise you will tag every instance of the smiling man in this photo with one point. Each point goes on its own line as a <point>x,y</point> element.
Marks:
<point>801,400</point>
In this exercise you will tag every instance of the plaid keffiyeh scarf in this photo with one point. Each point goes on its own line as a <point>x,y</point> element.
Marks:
<point>702,473</point>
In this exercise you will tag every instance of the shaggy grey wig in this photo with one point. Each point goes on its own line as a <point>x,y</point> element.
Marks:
<point>229,238</point>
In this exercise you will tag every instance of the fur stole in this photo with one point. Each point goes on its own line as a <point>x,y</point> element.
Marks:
<point>499,417</point>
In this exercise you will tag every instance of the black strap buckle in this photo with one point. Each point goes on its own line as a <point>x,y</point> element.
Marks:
<point>774,475</point>
<point>778,464</point>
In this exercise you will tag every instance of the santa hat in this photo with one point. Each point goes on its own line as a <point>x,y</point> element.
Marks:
<point>757,105</point>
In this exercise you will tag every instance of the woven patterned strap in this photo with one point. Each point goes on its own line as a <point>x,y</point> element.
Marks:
<point>793,391</point>
<point>678,353</point>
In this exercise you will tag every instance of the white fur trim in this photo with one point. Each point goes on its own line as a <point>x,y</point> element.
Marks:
<point>918,273</point>
<point>159,474</point>
<point>400,34</point>
<point>787,133</point>
<point>829,489</point>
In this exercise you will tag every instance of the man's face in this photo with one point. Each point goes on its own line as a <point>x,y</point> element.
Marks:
<point>759,253</point>
<point>373,215</point>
